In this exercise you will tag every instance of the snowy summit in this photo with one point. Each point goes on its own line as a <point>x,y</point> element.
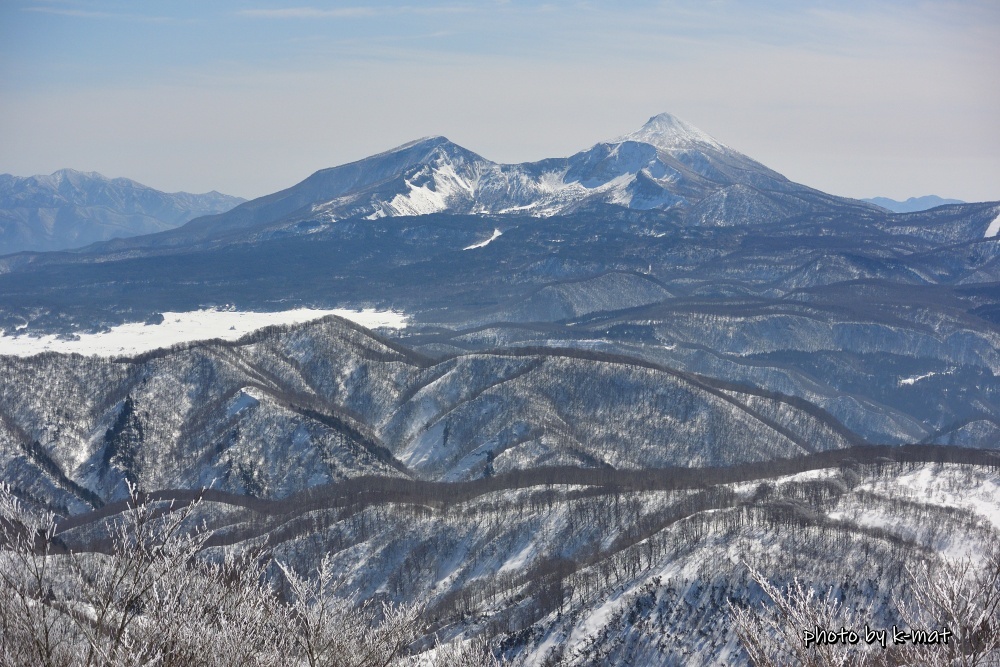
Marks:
<point>668,132</point>
<point>665,164</point>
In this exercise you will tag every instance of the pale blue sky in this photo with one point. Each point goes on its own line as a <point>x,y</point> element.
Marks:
<point>855,98</point>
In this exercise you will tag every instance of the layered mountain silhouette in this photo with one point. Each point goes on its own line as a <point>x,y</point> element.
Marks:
<point>662,245</point>
<point>69,209</point>
<point>666,165</point>
<point>614,370</point>
<point>913,204</point>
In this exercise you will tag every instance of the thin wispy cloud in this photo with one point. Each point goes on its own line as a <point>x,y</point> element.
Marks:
<point>308,13</point>
<point>90,14</point>
<point>346,12</point>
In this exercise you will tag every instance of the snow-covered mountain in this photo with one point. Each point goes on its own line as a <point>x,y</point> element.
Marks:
<point>69,209</point>
<point>292,408</point>
<point>527,497</point>
<point>624,377</point>
<point>665,165</point>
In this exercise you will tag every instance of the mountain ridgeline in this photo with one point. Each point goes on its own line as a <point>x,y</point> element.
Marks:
<point>723,277</point>
<point>70,209</point>
<point>291,408</point>
<point>626,375</point>
<point>913,204</point>
<point>665,165</point>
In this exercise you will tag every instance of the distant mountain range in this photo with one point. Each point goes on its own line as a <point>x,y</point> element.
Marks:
<point>735,272</point>
<point>661,211</point>
<point>913,204</point>
<point>666,165</point>
<point>70,209</point>
<point>611,364</point>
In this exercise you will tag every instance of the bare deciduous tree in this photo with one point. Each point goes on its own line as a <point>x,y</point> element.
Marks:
<point>964,597</point>
<point>774,634</point>
<point>217,614</point>
<point>954,609</point>
<point>331,632</point>
<point>152,548</point>
<point>151,601</point>
<point>32,630</point>
<point>472,653</point>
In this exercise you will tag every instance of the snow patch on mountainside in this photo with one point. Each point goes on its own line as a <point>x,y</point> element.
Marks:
<point>976,491</point>
<point>137,337</point>
<point>993,229</point>
<point>928,484</point>
<point>916,378</point>
<point>482,244</point>
<point>434,196</point>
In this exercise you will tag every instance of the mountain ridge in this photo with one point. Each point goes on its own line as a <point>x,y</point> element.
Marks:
<point>666,164</point>
<point>70,208</point>
<point>913,204</point>
<point>624,377</point>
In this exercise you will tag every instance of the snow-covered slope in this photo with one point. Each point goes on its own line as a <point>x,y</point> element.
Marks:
<point>666,164</point>
<point>285,409</point>
<point>607,574</point>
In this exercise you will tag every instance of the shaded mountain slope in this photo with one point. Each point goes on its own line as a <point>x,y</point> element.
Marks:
<point>70,209</point>
<point>287,409</point>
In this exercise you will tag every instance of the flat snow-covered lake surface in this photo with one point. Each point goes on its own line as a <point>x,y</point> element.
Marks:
<point>137,337</point>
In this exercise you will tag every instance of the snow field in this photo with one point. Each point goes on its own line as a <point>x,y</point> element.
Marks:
<point>482,244</point>
<point>184,327</point>
<point>993,229</point>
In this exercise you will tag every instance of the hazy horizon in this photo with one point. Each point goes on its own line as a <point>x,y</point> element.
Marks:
<point>889,99</point>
